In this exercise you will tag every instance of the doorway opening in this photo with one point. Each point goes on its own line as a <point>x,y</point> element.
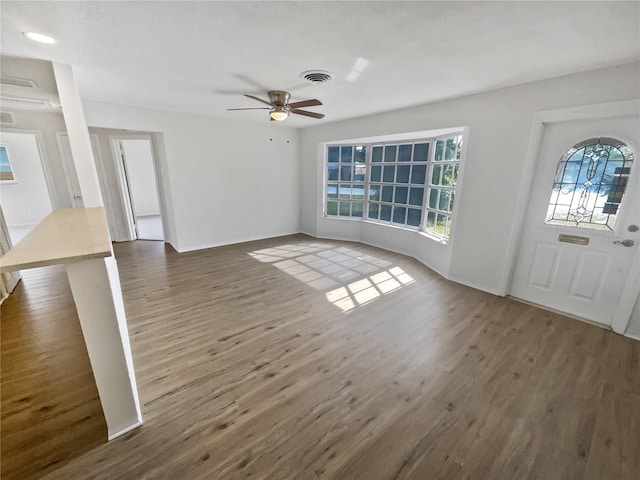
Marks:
<point>139,187</point>
<point>25,187</point>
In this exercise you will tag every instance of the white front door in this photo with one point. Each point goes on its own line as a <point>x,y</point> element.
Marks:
<point>575,197</point>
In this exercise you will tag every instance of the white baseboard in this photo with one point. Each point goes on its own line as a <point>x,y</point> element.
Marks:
<point>124,430</point>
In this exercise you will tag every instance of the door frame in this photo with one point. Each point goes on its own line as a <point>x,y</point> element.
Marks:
<point>545,117</point>
<point>125,193</point>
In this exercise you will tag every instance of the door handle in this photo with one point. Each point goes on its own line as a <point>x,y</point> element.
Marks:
<point>627,242</point>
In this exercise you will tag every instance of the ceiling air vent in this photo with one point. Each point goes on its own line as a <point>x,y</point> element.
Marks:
<point>7,118</point>
<point>18,82</point>
<point>317,76</point>
<point>24,101</point>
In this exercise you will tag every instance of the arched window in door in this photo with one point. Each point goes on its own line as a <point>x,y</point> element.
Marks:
<point>589,184</point>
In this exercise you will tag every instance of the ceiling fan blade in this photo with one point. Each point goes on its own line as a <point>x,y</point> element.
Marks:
<point>307,114</point>
<point>257,108</point>
<point>259,99</point>
<point>306,103</point>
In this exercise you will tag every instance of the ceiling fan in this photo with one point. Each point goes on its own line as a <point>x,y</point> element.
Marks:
<point>280,108</point>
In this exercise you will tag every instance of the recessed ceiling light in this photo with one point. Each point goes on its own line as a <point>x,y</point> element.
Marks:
<point>39,37</point>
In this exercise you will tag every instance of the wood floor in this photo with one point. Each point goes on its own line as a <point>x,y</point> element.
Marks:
<point>295,358</point>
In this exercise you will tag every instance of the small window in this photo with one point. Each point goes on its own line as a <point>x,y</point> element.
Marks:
<point>345,180</point>
<point>590,182</point>
<point>6,171</point>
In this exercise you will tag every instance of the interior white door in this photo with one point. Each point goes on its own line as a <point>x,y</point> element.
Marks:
<point>69,168</point>
<point>585,280</point>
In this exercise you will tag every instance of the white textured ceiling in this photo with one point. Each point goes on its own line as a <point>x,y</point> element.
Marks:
<point>200,57</point>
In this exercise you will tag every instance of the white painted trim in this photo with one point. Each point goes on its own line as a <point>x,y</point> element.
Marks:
<point>193,248</point>
<point>125,194</point>
<point>124,430</point>
<point>542,118</point>
<point>633,335</point>
<point>156,172</point>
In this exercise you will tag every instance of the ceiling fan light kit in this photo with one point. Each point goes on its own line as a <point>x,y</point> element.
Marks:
<point>280,108</point>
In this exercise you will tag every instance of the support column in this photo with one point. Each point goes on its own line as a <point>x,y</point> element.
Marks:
<point>96,290</point>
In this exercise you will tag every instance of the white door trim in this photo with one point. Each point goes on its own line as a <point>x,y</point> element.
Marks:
<point>125,193</point>
<point>546,117</point>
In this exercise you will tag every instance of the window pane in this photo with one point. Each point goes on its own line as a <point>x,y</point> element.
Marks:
<point>332,172</point>
<point>413,217</point>
<point>433,198</point>
<point>332,208</point>
<point>403,174</point>
<point>404,153</point>
<point>435,177</point>
<point>345,191</point>
<point>387,193</point>
<point>357,192</point>
<point>418,174</point>
<point>590,181</point>
<point>441,224</point>
<point>401,195</point>
<point>388,174</point>
<point>360,154</point>
<point>376,154</point>
<point>385,213</point>
<point>420,152</point>
<point>431,221</point>
<point>345,208</point>
<point>447,175</point>
<point>439,150</point>
<point>345,173</point>
<point>332,190</point>
<point>376,172</point>
<point>346,154</point>
<point>452,145</point>
<point>356,209</point>
<point>399,215</point>
<point>390,153</point>
<point>443,204</point>
<point>359,173</point>
<point>333,154</point>
<point>373,210</point>
<point>374,192</point>
<point>416,195</point>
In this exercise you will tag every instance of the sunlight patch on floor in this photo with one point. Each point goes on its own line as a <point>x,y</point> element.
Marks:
<point>352,278</point>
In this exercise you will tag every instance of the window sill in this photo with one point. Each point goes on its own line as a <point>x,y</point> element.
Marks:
<point>434,238</point>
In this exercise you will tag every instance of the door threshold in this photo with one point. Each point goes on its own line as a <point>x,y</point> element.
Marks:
<point>559,312</point>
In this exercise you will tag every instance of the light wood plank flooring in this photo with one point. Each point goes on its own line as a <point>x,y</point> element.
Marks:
<point>296,358</point>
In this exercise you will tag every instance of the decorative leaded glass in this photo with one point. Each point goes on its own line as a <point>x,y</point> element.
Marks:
<point>589,184</point>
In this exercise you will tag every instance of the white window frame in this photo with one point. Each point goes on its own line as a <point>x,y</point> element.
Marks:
<point>8,162</point>
<point>421,228</point>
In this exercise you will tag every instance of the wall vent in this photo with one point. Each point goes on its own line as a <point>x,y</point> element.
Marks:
<point>7,118</point>
<point>25,101</point>
<point>18,82</point>
<point>317,76</point>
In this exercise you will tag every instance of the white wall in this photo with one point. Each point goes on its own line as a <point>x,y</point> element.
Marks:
<point>224,181</point>
<point>634,323</point>
<point>25,201</point>
<point>141,177</point>
<point>499,124</point>
<point>46,124</point>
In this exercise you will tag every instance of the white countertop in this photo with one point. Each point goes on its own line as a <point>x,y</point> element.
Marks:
<point>64,236</point>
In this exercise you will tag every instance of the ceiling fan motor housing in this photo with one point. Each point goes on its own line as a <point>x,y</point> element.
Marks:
<point>279,97</point>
